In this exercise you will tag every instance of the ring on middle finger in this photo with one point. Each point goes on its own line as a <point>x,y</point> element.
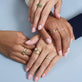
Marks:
<point>36,51</point>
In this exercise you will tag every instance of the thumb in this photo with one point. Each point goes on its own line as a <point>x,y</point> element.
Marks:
<point>57,9</point>
<point>33,40</point>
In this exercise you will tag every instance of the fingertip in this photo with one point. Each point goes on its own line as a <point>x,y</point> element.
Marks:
<point>33,29</point>
<point>49,41</point>
<point>39,27</point>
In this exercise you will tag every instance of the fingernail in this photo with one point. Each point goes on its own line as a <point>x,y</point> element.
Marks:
<point>39,27</point>
<point>33,29</point>
<point>60,53</point>
<point>29,19</point>
<point>44,75</point>
<point>59,15</point>
<point>36,78</point>
<point>29,76</point>
<point>68,50</point>
<point>27,42</point>
<point>48,41</point>
<point>65,55</point>
<point>27,69</point>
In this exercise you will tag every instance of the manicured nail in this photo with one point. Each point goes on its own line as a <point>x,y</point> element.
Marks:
<point>68,50</point>
<point>33,29</point>
<point>39,27</point>
<point>29,76</point>
<point>58,15</point>
<point>36,78</point>
<point>60,53</point>
<point>29,19</point>
<point>48,41</point>
<point>65,55</point>
<point>71,40</point>
<point>28,42</point>
<point>27,69</point>
<point>44,75</point>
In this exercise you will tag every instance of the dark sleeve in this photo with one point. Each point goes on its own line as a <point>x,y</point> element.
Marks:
<point>76,23</point>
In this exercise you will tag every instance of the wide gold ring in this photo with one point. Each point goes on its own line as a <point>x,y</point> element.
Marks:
<point>25,51</point>
<point>36,51</point>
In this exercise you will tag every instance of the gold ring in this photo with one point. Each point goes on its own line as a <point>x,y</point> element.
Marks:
<point>36,51</point>
<point>56,30</point>
<point>39,5</point>
<point>49,58</point>
<point>25,51</point>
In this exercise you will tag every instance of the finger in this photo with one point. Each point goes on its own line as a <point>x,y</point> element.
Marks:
<point>18,59</point>
<point>33,10</point>
<point>45,14</point>
<point>51,65</point>
<point>37,63</point>
<point>44,65</point>
<point>20,49</point>
<point>57,38</point>
<point>57,9</point>
<point>45,36</point>
<point>38,13</point>
<point>65,40</point>
<point>33,58</point>
<point>33,40</point>
<point>19,55</point>
<point>29,46</point>
<point>30,6</point>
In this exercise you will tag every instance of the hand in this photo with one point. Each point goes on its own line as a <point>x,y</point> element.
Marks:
<point>39,11</point>
<point>62,33</point>
<point>43,59</point>
<point>12,45</point>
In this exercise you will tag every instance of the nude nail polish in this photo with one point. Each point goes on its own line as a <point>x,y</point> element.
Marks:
<point>68,50</point>
<point>71,40</point>
<point>28,42</point>
<point>48,41</point>
<point>65,55</point>
<point>44,75</point>
<point>60,52</point>
<point>39,27</point>
<point>33,29</point>
<point>36,78</point>
<point>27,69</point>
<point>29,76</point>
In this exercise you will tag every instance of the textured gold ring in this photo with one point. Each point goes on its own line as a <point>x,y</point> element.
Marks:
<point>36,51</point>
<point>25,51</point>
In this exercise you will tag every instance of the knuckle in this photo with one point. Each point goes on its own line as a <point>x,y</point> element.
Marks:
<point>36,13</point>
<point>37,64</point>
<point>33,9</point>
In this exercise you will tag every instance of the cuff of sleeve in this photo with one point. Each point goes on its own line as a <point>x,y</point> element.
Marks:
<point>76,23</point>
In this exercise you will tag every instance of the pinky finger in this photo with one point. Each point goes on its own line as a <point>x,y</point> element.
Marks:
<point>51,65</point>
<point>18,59</point>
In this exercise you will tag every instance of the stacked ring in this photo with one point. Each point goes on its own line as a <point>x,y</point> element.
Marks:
<point>25,51</point>
<point>36,51</point>
<point>39,5</point>
<point>49,58</point>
